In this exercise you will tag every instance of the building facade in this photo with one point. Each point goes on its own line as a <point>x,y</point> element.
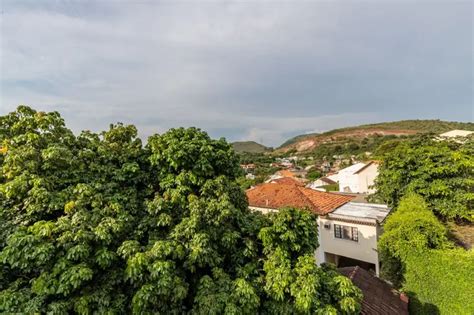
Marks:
<point>348,235</point>
<point>358,178</point>
<point>347,231</point>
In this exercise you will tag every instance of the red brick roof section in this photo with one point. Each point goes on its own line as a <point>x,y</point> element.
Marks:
<point>286,173</point>
<point>379,296</point>
<point>288,181</point>
<point>276,196</point>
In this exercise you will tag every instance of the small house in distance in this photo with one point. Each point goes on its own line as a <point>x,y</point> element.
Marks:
<point>358,178</point>
<point>248,167</point>
<point>320,182</point>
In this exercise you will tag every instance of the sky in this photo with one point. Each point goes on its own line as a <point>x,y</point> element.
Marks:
<point>245,70</point>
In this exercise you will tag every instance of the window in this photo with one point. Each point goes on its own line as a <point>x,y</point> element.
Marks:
<point>346,232</point>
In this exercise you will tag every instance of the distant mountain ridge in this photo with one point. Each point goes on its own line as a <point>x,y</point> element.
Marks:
<point>250,147</point>
<point>311,141</point>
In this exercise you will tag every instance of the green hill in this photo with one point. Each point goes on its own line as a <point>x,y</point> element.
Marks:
<point>250,147</point>
<point>403,127</point>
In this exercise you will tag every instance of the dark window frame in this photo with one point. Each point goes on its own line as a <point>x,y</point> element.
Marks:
<point>346,232</point>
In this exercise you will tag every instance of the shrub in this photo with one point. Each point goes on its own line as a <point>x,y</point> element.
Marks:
<point>413,227</point>
<point>440,281</point>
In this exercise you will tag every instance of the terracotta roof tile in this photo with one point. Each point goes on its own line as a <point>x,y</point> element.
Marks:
<point>276,195</point>
<point>286,173</point>
<point>379,296</point>
<point>287,181</point>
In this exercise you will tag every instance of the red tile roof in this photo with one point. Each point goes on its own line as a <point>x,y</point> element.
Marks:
<point>275,196</point>
<point>286,173</point>
<point>287,181</point>
<point>379,296</point>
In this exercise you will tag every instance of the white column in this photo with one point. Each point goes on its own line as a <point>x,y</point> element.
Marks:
<point>319,253</point>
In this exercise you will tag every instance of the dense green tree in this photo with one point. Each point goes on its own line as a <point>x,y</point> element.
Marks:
<point>98,223</point>
<point>68,204</point>
<point>413,227</point>
<point>442,172</point>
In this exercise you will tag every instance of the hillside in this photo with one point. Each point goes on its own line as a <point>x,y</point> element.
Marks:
<point>250,147</point>
<point>308,142</point>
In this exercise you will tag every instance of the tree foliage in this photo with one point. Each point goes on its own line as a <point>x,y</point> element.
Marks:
<point>99,223</point>
<point>417,256</point>
<point>442,172</point>
<point>412,228</point>
<point>440,282</point>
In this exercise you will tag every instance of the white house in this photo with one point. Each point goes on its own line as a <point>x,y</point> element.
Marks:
<point>358,178</point>
<point>250,176</point>
<point>348,235</point>
<point>348,231</point>
<point>323,181</point>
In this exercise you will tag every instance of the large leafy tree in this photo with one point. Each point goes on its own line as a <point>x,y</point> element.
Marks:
<point>442,172</point>
<point>101,223</point>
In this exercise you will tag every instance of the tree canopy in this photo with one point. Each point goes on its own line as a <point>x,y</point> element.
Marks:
<point>417,256</point>
<point>442,172</point>
<point>100,223</point>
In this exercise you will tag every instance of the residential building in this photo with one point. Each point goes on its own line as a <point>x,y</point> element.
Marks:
<point>348,235</point>
<point>270,197</point>
<point>358,178</point>
<point>333,176</point>
<point>325,166</point>
<point>250,176</point>
<point>348,231</point>
<point>248,167</point>
<point>320,182</point>
<point>288,181</point>
<point>286,173</point>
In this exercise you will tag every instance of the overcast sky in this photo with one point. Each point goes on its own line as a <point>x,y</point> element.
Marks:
<point>253,70</point>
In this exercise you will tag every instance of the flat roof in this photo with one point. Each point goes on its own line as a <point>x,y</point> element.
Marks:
<point>356,210</point>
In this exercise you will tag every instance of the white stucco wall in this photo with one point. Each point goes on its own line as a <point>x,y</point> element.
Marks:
<point>366,178</point>
<point>365,249</point>
<point>263,210</point>
<point>360,182</point>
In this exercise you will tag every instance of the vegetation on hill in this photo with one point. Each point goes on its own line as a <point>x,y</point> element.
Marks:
<point>98,223</point>
<point>357,147</point>
<point>403,127</point>
<point>249,147</point>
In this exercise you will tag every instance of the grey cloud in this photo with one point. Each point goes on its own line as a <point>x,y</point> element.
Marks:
<point>247,70</point>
